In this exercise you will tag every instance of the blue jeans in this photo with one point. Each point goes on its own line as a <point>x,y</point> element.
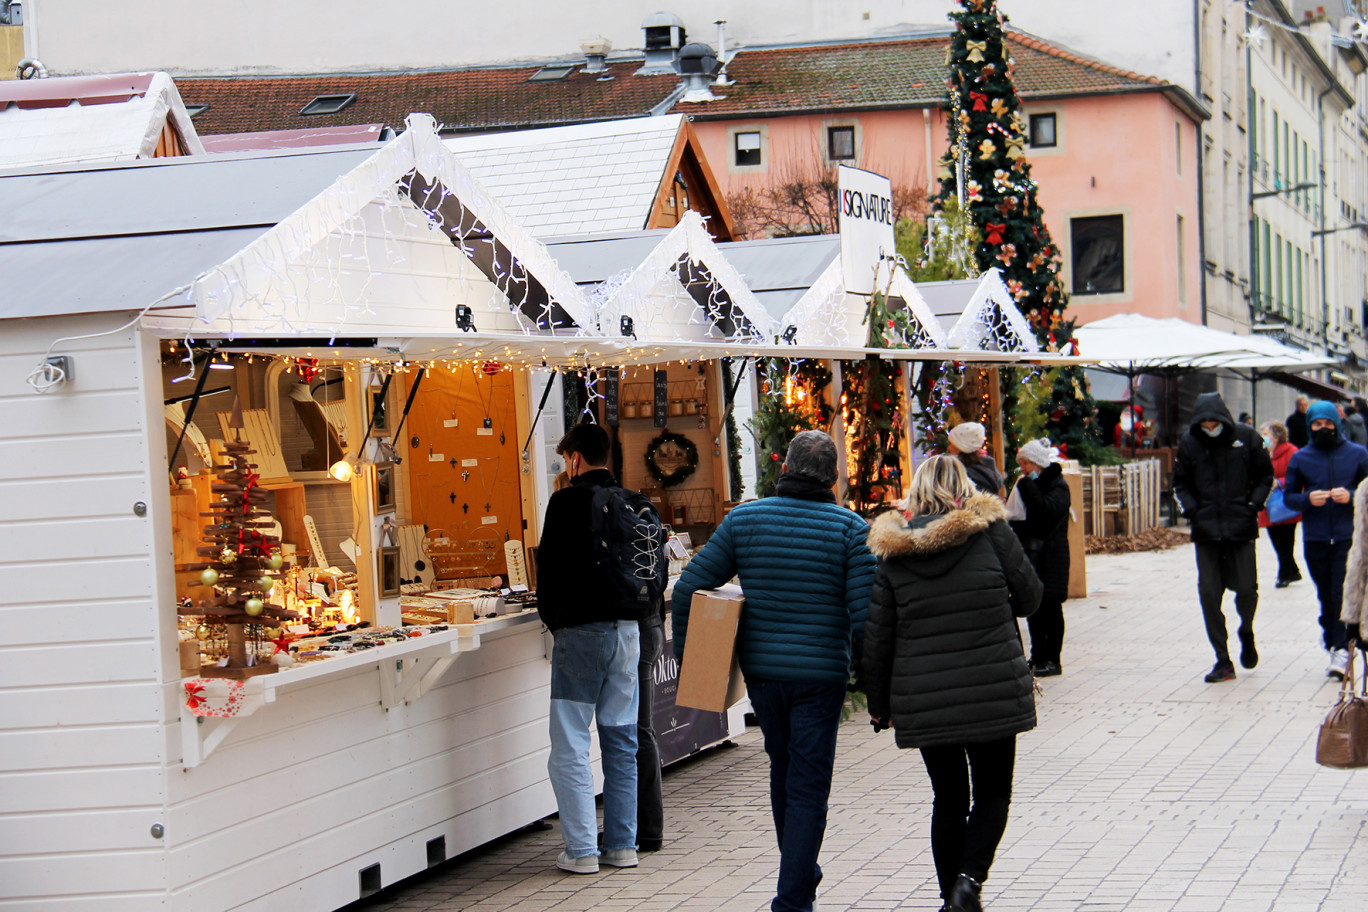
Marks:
<point>594,671</point>
<point>799,722</point>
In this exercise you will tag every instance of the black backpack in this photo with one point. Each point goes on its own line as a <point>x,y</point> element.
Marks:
<point>629,546</point>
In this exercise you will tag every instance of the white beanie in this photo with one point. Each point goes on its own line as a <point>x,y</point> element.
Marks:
<point>967,437</point>
<point>1039,452</point>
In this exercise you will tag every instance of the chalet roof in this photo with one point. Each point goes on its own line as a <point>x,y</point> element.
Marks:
<point>865,75</point>
<point>575,179</point>
<point>65,119</point>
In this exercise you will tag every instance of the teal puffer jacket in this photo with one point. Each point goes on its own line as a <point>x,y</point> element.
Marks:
<point>807,575</point>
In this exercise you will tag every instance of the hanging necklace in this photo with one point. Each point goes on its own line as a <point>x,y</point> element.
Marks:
<point>486,404</point>
<point>489,484</point>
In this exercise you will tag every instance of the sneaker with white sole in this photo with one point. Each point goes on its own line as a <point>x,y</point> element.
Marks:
<point>589,864</point>
<point>619,858</point>
<point>1339,664</point>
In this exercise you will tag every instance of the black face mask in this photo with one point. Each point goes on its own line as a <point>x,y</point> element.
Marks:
<point>1324,437</point>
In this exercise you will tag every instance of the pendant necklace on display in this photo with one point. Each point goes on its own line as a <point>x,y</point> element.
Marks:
<point>486,405</point>
<point>493,480</point>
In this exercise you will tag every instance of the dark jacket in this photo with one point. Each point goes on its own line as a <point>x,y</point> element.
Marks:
<point>1221,482</point>
<point>806,573</point>
<point>1281,455</point>
<point>571,588</point>
<point>1354,428</point>
<point>1044,533</point>
<point>1315,468</point>
<point>942,652</point>
<point>983,472</point>
<point>1298,429</point>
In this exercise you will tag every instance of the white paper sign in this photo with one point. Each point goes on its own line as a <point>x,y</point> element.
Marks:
<point>488,520</point>
<point>866,222</point>
<point>484,432</point>
<point>436,457</point>
<point>451,422</point>
<point>470,462</point>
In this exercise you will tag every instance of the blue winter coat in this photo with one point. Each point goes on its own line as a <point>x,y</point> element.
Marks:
<point>807,575</point>
<point>1315,468</point>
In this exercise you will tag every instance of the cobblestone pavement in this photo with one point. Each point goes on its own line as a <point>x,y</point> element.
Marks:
<point>1142,789</point>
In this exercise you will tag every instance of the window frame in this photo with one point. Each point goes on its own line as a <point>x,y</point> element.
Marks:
<point>759,149</point>
<point>1042,116</point>
<point>1077,251</point>
<point>832,131</point>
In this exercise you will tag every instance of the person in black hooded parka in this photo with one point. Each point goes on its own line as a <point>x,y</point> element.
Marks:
<point>943,661</point>
<point>1221,477</point>
<point>1044,535</point>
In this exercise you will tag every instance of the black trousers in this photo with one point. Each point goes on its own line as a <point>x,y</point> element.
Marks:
<point>965,833</point>
<point>650,803</point>
<point>1284,539</point>
<point>1223,565</point>
<point>1325,561</point>
<point>1047,631</point>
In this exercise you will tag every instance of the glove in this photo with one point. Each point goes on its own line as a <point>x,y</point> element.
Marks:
<point>1352,631</point>
<point>878,724</point>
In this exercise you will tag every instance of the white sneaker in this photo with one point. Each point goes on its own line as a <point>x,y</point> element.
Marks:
<point>586,865</point>
<point>620,858</point>
<point>1339,664</point>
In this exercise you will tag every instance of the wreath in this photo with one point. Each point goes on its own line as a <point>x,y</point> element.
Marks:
<point>671,458</point>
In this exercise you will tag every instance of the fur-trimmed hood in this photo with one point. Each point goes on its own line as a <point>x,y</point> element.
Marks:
<point>892,536</point>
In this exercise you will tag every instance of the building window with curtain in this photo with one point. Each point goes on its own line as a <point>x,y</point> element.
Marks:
<point>1099,260</point>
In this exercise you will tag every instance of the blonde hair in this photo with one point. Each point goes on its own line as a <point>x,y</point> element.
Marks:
<point>939,486</point>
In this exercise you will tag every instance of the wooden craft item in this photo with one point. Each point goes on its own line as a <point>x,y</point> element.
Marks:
<point>315,543</point>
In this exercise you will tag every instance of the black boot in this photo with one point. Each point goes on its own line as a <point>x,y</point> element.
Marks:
<point>964,895</point>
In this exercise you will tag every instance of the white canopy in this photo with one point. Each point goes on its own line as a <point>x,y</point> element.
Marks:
<point>1136,344</point>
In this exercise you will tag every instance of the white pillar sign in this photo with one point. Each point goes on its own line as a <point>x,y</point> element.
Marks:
<point>866,223</point>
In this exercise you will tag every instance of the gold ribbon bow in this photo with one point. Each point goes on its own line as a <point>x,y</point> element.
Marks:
<point>976,49</point>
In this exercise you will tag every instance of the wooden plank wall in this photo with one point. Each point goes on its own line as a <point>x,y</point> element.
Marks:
<point>325,782</point>
<point>82,748</point>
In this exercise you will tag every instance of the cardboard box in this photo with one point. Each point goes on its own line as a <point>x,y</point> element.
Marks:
<point>710,676</point>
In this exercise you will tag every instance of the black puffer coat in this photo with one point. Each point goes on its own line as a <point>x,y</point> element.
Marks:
<point>1222,481</point>
<point>1044,533</point>
<point>942,653</point>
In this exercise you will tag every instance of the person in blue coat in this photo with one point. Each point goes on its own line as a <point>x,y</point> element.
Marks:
<point>807,574</point>
<point>1320,483</point>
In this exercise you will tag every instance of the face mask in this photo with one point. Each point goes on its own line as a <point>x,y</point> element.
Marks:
<point>1035,474</point>
<point>1213,432</point>
<point>1324,437</point>
<point>1268,442</point>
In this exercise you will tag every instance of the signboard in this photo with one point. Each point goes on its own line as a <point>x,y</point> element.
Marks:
<point>610,399</point>
<point>661,389</point>
<point>866,223</point>
<point>680,731</point>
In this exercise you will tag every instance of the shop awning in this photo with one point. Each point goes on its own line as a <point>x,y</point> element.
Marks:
<point>1135,344</point>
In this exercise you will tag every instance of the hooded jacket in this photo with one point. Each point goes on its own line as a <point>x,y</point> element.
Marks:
<point>1280,455</point>
<point>1044,533</point>
<point>1352,609</point>
<point>806,573</point>
<point>942,652</point>
<point>1222,481</point>
<point>1320,468</point>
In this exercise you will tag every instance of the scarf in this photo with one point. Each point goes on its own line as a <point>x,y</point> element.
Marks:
<point>804,487</point>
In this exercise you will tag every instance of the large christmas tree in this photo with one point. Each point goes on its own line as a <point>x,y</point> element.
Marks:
<point>987,154</point>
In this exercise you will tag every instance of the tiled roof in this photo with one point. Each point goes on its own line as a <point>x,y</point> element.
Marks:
<point>486,99</point>
<point>859,75</point>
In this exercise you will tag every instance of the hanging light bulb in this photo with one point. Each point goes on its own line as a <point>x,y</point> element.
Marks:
<point>342,470</point>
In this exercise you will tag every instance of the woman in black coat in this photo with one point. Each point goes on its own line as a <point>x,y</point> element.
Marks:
<point>1044,535</point>
<point>943,661</point>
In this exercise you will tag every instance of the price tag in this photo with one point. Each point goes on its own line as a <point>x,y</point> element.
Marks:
<point>470,462</point>
<point>436,457</point>
<point>484,432</point>
<point>451,422</point>
<point>488,520</point>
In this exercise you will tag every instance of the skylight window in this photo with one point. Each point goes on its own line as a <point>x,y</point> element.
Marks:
<point>196,110</point>
<point>327,104</point>
<point>551,73</point>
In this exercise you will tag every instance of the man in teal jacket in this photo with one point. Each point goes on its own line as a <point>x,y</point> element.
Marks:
<point>807,575</point>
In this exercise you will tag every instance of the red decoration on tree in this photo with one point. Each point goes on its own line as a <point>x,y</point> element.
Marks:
<point>308,368</point>
<point>491,367</point>
<point>992,232</point>
<point>980,101</point>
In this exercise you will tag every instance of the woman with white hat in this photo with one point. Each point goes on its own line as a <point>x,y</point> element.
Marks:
<point>966,440</point>
<point>1044,535</point>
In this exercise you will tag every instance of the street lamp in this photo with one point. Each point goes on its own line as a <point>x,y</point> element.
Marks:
<point>1321,231</point>
<point>1295,188</point>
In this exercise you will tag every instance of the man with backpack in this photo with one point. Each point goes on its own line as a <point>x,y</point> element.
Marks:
<point>807,575</point>
<point>601,568</point>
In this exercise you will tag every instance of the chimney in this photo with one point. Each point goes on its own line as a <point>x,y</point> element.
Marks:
<point>596,52</point>
<point>722,79</point>
<point>664,37</point>
<point>697,64</point>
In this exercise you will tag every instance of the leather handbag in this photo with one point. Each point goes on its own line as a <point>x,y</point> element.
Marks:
<point>1343,740</point>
